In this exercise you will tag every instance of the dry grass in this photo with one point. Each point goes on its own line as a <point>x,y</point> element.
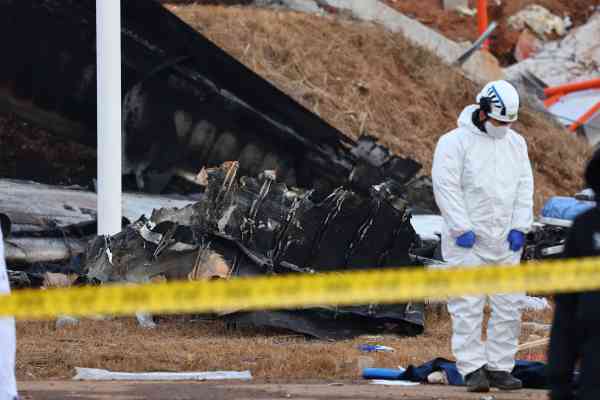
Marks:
<point>359,77</point>
<point>45,352</point>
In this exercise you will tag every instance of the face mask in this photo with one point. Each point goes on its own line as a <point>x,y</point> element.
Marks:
<point>497,132</point>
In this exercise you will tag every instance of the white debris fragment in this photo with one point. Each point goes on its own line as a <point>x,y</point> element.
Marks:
<point>387,382</point>
<point>536,326</point>
<point>222,223</point>
<point>147,234</point>
<point>534,303</point>
<point>428,227</point>
<point>109,255</point>
<point>567,21</point>
<point>92,374</point>
<point>469,12</point>
<point>145,320</point>
<point>539,20</point>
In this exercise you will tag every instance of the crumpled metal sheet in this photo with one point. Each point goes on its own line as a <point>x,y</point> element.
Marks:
<point>338,324</point>
<point>260,227</point>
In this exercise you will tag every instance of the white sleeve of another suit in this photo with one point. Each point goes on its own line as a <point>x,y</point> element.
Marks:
<point>8,385</point>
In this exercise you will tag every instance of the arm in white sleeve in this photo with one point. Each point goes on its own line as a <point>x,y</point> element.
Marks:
<point>522,216</point>
<point>4,284</point>
<point>8,383</point>
<point>446,174</point>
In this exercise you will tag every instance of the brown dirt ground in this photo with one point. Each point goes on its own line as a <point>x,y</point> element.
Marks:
<point>359,77</point>
<point>45,352</point>
<point>460,27</point>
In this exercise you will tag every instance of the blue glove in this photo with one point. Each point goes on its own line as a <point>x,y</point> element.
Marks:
<point>466,240</point>
<point>516,239</point>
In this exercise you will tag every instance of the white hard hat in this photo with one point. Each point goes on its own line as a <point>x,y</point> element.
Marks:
<point>499,100</point>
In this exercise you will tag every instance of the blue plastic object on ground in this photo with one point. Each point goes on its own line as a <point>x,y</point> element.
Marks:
<point>374,347</point>
<point>532,373</point>
<point>566,208</point>
<point>382,373</point>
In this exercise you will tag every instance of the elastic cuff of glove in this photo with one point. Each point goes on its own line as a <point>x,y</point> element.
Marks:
<point>457,234</point>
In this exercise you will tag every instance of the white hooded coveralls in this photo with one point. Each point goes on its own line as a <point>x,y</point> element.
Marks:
<point>8,384</point>
<point>485,185</point>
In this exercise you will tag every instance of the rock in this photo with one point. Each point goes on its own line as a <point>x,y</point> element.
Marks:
<point>455,4</point>
<point>438,378</point>
<point>61,322</point>
<point>541,21</point>
<point>484,66</point>
<point>576,57</point>
<point>527,45</point>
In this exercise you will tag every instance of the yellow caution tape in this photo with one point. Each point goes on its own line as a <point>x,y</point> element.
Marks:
<point>301,290</point>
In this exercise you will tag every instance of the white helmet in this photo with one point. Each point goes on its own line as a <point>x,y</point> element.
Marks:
<point>499,100</point>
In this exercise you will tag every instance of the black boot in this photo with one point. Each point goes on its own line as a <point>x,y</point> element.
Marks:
<point>477,381</point>
<point>503,380</point>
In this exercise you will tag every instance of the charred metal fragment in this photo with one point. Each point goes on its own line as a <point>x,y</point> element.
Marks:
<point>256,226</point>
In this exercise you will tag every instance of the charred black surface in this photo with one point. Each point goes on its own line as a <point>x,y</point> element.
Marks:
<point>260,227</point>
<point>186,103</point>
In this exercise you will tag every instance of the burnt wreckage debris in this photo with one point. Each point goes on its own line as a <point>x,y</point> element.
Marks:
<point>187,104</point>
<point>247,227</point>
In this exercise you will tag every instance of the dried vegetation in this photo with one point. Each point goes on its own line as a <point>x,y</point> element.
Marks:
<point>361,78</point>
<point>45,352</point>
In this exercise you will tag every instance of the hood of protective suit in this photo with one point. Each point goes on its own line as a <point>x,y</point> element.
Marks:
<point>484,185</point>
<point>465,120</point>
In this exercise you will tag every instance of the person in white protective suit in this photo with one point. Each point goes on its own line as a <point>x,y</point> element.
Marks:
<point>8,383</point>
<point>483,185</point>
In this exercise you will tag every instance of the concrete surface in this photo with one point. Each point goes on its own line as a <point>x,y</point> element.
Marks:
<point>244,391</point>
<point>480,67</point>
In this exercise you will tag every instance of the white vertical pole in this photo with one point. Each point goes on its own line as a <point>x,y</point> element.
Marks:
<point>108,62</point>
